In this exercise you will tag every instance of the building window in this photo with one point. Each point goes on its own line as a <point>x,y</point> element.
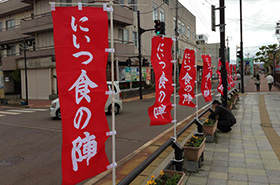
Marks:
<point>166,1</point>
<point>1,26</point>
<point>174,23</point>
<point>11,51</point>
<point>155,12</point>
<point>133,2</point>
<point>183,29</point>
<point>121,39</point>
<point>179,27</point>
<point>135,39</point>
<point>123,35</point>
<point>10,24</point>
<point>121,2</point>
<point>161,14</point>
<point>189,32</point>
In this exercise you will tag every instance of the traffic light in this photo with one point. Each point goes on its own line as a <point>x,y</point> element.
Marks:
<point>145,62</point>
<point>238,54</point>
<point>213,18</point>
<point>162,28</point>
<point>128,62</point>
<point>157,26</point>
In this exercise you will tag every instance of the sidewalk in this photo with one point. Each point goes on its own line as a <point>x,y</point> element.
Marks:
<point>251,87</point>
<point>250,153</point>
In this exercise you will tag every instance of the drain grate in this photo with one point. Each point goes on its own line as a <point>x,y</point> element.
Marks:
<point>10,161</point>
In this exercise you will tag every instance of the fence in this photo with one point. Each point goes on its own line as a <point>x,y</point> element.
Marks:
<point>178,162</point>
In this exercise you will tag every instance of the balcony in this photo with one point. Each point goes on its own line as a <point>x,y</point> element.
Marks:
<point>9,63</point>
<point>123,50</point>
<point>123,16</point>
<point>13,6</point>
<point>38,23</point>
<point>43,22</point>
<point>11,35</point>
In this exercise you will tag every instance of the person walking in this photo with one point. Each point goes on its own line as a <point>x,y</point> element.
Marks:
<point>257,82</point>
<point>270,81</point>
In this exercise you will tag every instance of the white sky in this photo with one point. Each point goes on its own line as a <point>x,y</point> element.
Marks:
<point>259,21</point>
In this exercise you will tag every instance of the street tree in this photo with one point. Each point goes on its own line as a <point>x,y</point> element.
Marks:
<point>266,56</point>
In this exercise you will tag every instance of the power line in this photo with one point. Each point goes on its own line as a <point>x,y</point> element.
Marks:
<point>153,9</point>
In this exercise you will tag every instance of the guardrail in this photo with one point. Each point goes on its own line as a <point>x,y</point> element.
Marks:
<point>178,151</point>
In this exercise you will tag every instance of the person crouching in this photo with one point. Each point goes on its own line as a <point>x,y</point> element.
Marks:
<point>225,118</point>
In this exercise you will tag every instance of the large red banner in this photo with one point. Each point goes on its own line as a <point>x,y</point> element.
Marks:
<point>161,57</point>
<point>187,79</point>
<point>206,78</point>
<point>220,88</point>
<point>80,38</point>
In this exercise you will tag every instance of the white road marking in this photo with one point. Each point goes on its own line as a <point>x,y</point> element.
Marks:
<point>22,111</point>
<point>2,115</point>
<point>38,128</point>
<point>11,113</point>
<point>42,110</point>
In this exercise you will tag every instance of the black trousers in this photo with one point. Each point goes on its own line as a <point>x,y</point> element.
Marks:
<point>270,86</point>
<point>224,126</point>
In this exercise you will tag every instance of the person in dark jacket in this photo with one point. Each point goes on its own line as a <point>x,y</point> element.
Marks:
<point>225,118</point>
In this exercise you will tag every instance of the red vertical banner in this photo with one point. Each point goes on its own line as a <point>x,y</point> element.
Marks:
<point>228,75</point>
<point>161,57</point>
<point>187,79</point>
<point>206,78</point>
<point>235,77</point>
<point>220,87</point>
<point>231,76</point>
<point>80,38</point>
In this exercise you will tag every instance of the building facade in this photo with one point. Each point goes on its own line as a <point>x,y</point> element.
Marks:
<point>29,23</point>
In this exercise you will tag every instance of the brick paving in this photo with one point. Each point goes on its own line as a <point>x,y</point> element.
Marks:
<point>251,87</point>
<point>247,154</point>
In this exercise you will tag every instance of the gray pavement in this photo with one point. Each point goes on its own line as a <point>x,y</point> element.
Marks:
<point>245,155</point>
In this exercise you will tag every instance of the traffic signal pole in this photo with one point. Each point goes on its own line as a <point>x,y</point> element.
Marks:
<point>222,51</point>
<point>241,49</point>
<point>140,32</point>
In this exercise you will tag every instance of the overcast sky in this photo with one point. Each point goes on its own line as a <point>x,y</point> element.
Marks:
<point>259,21</point>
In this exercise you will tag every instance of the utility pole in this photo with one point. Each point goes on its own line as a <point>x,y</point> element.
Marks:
<point>241,49</point>
<point>222,51</point>
<point>139,55</point>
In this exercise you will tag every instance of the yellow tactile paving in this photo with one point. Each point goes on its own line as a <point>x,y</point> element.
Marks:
<point>272,136</point>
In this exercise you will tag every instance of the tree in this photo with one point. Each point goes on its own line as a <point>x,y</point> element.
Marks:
<point>266,56</point>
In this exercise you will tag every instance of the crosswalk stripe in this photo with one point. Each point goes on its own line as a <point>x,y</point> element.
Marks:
<point>2,115</point>
<point>22,111</point>
<point>11,113</point>
<point>42,110</point>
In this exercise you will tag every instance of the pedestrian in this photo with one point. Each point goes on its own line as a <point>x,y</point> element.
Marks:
<point>257,82</point>
<point>270,81</point>
<point>225,118</point>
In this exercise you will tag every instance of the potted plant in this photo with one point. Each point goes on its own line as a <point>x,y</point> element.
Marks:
<point>209,126</point>
<point>167,177</point>
<point>194,148</point>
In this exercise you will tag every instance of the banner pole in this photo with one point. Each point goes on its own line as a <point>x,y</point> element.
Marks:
<point>174,95</point>
<point>113,96</point>
<point>196,87</point>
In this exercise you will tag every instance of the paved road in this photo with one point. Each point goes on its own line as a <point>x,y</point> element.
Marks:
<point>31,141</point>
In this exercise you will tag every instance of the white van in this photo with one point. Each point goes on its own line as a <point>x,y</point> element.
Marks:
<point>55,107</point>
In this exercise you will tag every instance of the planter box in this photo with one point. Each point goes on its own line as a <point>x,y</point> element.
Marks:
<point>210,129</point>
<point>171,172</point>
<point>194,153</point>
